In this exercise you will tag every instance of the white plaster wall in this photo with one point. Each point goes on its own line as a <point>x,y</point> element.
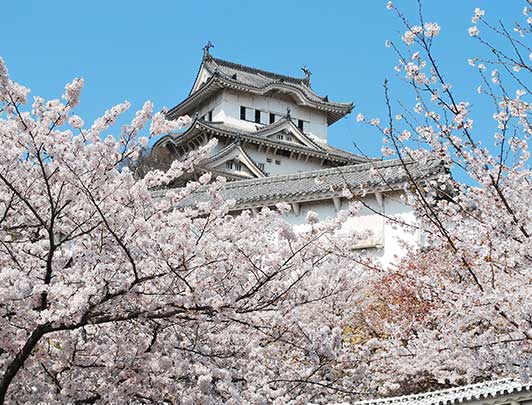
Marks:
<point>229,112</point>
<point>213,104</point>
<point>389,236</point>
<point>287,165</point>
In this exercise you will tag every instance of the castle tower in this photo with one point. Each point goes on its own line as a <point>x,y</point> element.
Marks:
<point>266,123</point>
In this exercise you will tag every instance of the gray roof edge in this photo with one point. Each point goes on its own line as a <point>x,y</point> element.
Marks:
<point>383,164</point>
<point>449,396</point>
<point>251,69</point>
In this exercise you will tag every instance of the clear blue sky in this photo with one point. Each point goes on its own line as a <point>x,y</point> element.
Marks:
<point>139,50</point>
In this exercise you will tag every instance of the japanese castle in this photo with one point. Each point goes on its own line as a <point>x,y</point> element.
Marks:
<point>273,147</point>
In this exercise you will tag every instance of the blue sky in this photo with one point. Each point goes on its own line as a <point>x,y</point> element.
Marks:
<point>138,50</point>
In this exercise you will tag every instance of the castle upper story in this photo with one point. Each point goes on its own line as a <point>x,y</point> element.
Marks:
<point>266,123</point>
<point>250,99</point>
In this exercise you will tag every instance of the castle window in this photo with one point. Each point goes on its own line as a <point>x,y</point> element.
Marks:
<point>289,138</point>
<point>272,118</point>
<point>257,116</point>
<point>233,165</point>
<point>280,136</point>
<point>300,124</point>
<point>277,162</point>
<point>209,116</point>
<point>268,160</point>
<point>242,112</point>
<point>261,166</point>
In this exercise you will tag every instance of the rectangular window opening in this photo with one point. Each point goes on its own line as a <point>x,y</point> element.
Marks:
<point>272,118</point>
<point>257,116</point>
<point>242,112</point>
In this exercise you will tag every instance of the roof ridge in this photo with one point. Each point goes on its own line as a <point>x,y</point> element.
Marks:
<point>251,69</point>
<point>258,135</point>
<point>383,164</point>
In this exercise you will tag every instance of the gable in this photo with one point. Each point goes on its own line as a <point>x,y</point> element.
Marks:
<point>233,159</point>
<point>286,131</point>
<point>203,76</point>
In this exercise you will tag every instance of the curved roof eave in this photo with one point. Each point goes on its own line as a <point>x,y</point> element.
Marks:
<point>198,124</point>
<point>335,111</point>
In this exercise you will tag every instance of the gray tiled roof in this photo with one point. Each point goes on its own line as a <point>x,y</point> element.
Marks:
<point>320,147</point>
<point>459,395</point>
<point>254,77</point>
<point>321,151</point>
<point>231,75</point>
<point>383,175</point>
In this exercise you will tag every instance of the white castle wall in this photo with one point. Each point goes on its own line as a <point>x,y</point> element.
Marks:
<point>286,165</point>
<point>386,242</point>
<point>226,108</point>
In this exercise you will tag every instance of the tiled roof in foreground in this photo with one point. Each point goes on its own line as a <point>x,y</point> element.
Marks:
<point>322,184</point>
<point>459,395</point>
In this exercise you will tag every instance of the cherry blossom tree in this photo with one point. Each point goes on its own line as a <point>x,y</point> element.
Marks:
<point>110,292</point>
<point>460,311</point>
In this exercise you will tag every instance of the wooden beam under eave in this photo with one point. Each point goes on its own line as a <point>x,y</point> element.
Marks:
<point>337,203</point>
<point>296,207</point>
<point>380,199</point>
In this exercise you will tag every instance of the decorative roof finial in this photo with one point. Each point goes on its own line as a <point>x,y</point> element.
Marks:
<point>308,73</point>
<point>206,48</point>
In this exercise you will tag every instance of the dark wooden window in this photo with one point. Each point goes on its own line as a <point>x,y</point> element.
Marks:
<point>268,160</point>
<point>300,124</point>
<point>233,165</point>
<point>242,112</point>
<point>209,116</point>
<point>257,116</point>
<point>272,118</point>
<point>277,162</point>
<point>281,152</point>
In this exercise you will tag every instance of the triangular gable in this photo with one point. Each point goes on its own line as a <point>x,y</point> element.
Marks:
<point>284,128</point>
<point>202,77</point>
<point>233,153</point>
